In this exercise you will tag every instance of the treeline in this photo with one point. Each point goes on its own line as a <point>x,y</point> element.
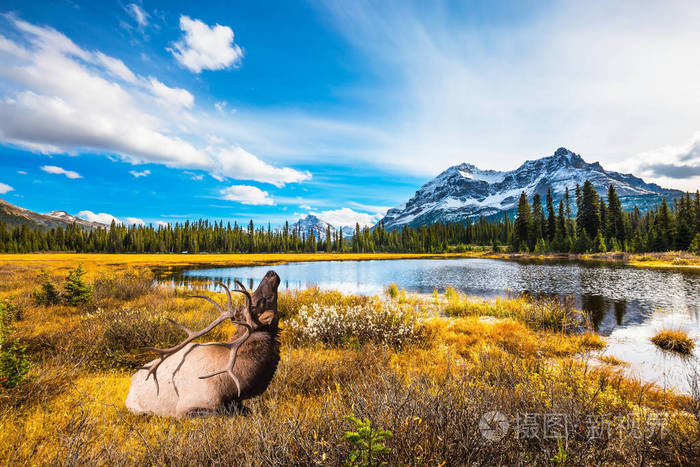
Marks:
<point>597,226</point>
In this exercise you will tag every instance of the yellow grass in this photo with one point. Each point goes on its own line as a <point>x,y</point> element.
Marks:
<point>94,260</point>
<point>506,355</point>
<point>674,340</point>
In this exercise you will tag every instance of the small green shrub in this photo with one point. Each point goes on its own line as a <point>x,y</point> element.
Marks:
<point>76,290</point>
<point>11,310</point>
<point>694,247</point>
<point>48,293</point>
<point>14,364</point>
<point>368,441</point>
<point>540,247</point>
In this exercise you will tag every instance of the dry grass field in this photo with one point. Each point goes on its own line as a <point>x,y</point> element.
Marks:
<point>426,368</point>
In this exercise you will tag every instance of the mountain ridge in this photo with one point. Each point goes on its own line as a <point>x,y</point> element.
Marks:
<point>464,192</point>
<point>15,216</point>
<point>312,223</point>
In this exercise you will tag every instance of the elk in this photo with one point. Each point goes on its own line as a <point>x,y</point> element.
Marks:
<point>196,379</point>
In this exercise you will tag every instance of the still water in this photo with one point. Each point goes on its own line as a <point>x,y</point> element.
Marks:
<point>614,295</point>
<point>627,305</point>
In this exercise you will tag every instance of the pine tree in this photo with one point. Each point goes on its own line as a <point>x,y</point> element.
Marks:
<point>560,242</point>
<point>551,217</point>
<point>77,291</point>
<point>663,227</point>
<point>616,225</point>
<point>537,221</point>
<point>522,223</point>
<point>588,216</point>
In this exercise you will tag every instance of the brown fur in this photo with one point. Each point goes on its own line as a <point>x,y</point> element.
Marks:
<point>180,391</point>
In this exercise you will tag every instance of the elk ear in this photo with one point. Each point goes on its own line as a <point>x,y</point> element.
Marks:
<point>267,317</point>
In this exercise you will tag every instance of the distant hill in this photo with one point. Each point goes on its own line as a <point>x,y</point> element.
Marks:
<point>465,192</point>
<point>16,216</point>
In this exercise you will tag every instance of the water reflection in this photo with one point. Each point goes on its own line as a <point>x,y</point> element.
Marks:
<point>615,296</point>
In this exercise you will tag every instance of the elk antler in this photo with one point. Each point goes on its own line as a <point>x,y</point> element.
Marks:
<point>224,314</point>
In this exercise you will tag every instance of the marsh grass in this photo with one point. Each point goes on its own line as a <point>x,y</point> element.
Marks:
<point>539,313</point>
<point>674,340</point>
<point>430,395</point>
<point>124,285</point>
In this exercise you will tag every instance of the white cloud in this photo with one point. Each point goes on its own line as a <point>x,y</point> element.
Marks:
<point>162,224</point>
<point>173,96</point>
<point>347,217</point>
<point>106,219</point>
<point>669,164</point>
<point>52,169</point>
<point>136,174</point>
<point>502,88</point>
<point>380,210</point>
<point>5,188</point>
<point>246,194</point>
<point>102,217</point>
<point>64,101</point>
<point>116,67</point>
<point>195,176</point>
<point>138,14</point>
<point>134,221</point>
<point>22,172</point>
<point>238,163</point>
<point>204,47</point>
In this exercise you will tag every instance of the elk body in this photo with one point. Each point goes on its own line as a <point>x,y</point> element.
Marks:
<point>192,378</point>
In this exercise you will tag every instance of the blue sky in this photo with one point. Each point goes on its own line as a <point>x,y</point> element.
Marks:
<point>165,111</point>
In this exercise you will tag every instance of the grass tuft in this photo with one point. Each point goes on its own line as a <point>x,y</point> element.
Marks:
<point>674,340</point>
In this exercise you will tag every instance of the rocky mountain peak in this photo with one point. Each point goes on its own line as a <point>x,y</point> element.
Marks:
<point>465,192</point>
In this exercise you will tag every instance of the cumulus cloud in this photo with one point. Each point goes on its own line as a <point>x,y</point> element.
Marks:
<point>64,100</point>
<point>5,188</point>
<point>347,217</point>
<point>246,194</point>
<point>136,174</point>
<point>238,163</point>
<point>102,217</point>
<point>22,172</point>
<point>52,169</point>
<point>205,48</point>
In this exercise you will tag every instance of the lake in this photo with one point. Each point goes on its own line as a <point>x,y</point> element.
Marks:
<point>627,305</point>
<point>615,295</point>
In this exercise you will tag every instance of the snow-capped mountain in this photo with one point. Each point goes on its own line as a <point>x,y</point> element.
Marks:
<point>465,192</point>
<point>311,223</point>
